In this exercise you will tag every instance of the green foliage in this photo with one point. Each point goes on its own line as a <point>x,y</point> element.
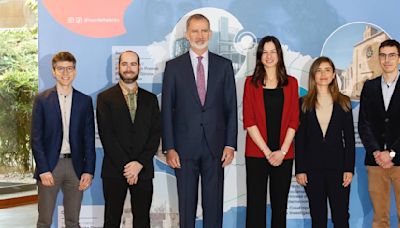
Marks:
<point>33,5</point>
<point>18,86</point>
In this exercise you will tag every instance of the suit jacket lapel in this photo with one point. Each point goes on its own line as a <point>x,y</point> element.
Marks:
<point>139,106</point>
<point>74,109</point>
<point>395,97</point>
<point>120,99</point>
<point>260,104</point>
<point>211,78</point>
<point>56,103</point>
<point>333,118</point>
<point>332,121</point>
<point>378,87</point>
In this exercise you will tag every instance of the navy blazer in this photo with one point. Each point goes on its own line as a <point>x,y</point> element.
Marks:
<point>333,153</point>
<point>47,132</point>
<point>185,120</point>
<point>377,126</point>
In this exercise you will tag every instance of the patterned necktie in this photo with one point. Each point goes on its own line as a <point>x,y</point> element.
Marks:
<point>201,80</point>
<point>132,105</point>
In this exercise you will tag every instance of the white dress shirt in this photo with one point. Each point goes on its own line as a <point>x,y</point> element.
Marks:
<point>388,90</point>
<point>65,101</point>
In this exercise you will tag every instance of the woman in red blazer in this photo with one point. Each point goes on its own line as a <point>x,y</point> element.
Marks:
<point>271,118</point>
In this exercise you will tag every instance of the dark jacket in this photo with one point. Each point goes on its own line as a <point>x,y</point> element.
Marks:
<point>124,141</point>
<point>333,153</point>
<point>377,126</point>
<point>47,132</point>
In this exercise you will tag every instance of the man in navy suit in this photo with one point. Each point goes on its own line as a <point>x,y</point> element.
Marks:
<point>199,114</point>
<point>378,127</point>
<point>62,141</point>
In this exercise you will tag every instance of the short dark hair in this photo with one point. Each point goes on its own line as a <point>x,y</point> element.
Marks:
<point>196,16</point>
<point>63,56</point>
<point>390,43</point>
<point>120,56</point>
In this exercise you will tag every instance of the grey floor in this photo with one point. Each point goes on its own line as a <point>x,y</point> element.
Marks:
<point>19,217</point>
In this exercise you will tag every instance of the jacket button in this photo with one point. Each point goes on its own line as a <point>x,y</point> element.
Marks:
<point>386,120</point>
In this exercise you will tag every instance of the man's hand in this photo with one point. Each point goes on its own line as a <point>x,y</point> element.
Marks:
<point>276,158</point>
<point>47,179</point>
<point>227,156</point>
<point>383,159</point>
<point>131,171</point>
<point>173,159</point>
<point>347,177</point>
<point>86,181</point>
<point>301,178</point>
<point>133,180</point>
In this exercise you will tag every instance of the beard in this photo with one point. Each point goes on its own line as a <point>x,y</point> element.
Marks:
<point>199,46</point>
<point>128,80</point>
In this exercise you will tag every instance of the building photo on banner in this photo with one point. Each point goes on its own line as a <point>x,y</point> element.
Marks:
<point>97,32</point>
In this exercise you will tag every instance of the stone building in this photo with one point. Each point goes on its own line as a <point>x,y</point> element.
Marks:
<point>365,63</point>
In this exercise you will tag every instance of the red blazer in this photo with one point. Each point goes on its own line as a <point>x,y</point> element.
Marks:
<point>254,114</point>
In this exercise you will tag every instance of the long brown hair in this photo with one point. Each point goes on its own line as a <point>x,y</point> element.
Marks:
<point>310,100</point>
<point>259,71</point>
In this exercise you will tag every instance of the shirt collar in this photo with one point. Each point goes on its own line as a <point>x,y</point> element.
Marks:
<point>59,93</point>
<point>391,83</point>
<point>193,55</point>
<point>125,89</point>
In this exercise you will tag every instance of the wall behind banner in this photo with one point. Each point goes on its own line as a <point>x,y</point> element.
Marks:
<point>97,31</point>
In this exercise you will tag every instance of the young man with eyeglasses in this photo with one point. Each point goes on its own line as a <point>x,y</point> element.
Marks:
<point>62,141</point>
<point>379,129</point>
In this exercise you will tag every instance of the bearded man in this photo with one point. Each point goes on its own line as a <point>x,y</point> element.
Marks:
<point>129,124</point>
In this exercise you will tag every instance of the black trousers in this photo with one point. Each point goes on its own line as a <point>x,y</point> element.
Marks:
<point>114,191</point>
<point>322,186</point>
<point>258,170</point>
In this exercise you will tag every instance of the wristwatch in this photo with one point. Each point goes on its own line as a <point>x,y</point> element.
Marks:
<point>392,154</point>
<point>283,152</point>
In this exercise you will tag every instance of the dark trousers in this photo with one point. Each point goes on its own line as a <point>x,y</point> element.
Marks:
<point>209,167</point>
<point>114,191</point>
<point>257,172</point>
<point>322,186</point>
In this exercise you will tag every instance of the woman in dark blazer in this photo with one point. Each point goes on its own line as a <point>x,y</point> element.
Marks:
<point>325,147</point>
<point>270,116</point>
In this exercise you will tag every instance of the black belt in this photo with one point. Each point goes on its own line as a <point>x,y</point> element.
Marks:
<point>65,155</point>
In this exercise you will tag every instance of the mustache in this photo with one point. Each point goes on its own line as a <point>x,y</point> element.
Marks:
<point>128,72</point>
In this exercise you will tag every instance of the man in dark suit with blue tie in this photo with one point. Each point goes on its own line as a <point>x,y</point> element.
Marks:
<point>62,140</point>
<point>199,114</point>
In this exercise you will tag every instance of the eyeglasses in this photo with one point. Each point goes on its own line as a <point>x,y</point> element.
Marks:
<point>61,69</point>
<point>391,56</point>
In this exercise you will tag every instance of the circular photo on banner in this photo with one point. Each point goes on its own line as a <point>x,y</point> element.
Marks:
<point>354,49</point>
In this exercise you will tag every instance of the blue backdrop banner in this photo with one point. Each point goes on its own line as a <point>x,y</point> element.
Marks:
<point>349,32</point>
